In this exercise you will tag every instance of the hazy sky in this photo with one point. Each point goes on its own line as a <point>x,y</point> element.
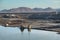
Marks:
<point>7,4</point>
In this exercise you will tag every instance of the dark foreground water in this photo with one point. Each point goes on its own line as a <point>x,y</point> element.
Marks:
<point>8,33</point>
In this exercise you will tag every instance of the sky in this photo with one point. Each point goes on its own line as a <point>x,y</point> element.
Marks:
<point>8,4</point>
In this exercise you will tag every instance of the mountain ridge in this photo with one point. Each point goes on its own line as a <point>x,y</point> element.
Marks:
<point>27,9</point>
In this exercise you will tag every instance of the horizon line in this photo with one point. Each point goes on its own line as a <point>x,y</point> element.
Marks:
<point>30,7</point>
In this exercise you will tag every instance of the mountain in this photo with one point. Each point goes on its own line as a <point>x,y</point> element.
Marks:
<point>27,10</point>
<point>37,9</point>
<point>17,10</point>
<point>58,10</point>
<point>48,8</point>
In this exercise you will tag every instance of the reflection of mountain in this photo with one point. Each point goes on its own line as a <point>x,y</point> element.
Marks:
<point>26,9</point>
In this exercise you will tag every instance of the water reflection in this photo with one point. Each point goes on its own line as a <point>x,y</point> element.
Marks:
<point>22,29</point>
<point>29,30</point>
<point>11,33</point>
<point>58,33</point>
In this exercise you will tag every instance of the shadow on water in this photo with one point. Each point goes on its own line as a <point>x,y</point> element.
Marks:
<point>29,30</point>
<point>58,33</point>
<point>22,30</point>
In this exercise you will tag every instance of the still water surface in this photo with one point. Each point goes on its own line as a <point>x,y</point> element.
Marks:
<point>8,33</point>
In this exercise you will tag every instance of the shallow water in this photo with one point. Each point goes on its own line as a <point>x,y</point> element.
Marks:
<point>10,33</point>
